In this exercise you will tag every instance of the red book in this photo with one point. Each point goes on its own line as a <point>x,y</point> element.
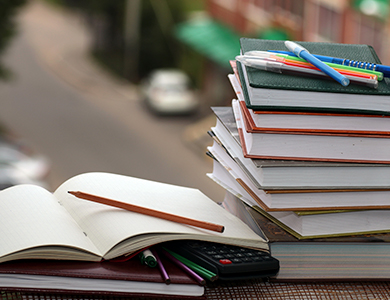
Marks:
<point>129,278</point>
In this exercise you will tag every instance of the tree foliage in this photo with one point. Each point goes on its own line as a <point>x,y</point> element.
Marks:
<point>8,27</point>
<point>156,46</point>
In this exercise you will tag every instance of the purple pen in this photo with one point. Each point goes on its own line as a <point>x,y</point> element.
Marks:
<point>186,269</point>
<point>160,266</point>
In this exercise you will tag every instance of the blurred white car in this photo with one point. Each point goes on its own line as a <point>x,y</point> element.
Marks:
<point>19,166</point>
<point>168,91</point>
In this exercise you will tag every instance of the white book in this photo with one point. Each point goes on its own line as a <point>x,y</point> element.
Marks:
<point>285,174</point>
<point>311,225</point>
<point>295,200</point>
<point>311,147</point>
<point>263,120</point>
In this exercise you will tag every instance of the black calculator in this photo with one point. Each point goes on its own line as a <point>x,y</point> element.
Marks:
<point>227,261</point>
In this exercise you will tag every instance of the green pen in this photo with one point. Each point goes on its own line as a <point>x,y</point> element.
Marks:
<point>266,54</point>
<point>193,266</point>
<point>337,66</point>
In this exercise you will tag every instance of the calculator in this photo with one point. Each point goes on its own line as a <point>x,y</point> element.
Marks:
<point>227,261</point>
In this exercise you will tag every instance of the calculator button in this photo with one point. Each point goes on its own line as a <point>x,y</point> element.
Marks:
<point>225,261</point>
<point>257,258</point>
<point>246,259</point>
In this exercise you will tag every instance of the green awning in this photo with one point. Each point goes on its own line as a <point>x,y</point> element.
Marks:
<point>376,8</point>
<point>215,41</point>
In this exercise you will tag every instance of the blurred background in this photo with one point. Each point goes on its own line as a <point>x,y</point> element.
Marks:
<point>126,86</point>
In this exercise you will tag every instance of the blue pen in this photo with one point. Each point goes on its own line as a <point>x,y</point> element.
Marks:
<point>347,62</point>
<point>303,53</point>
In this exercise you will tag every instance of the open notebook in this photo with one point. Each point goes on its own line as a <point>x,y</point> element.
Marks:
<point>39,224</point>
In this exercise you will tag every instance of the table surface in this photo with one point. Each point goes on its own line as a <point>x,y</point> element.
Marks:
<point>257,290</point>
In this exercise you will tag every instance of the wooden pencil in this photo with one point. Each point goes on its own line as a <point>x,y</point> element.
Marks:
<point>148,211</point>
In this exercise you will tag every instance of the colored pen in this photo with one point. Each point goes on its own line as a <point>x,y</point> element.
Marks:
<point>182,266</point>
<point>303,53</point>
<point>294,60</point>
<point>281,68</point>
<point>196,268</point>
<point>346,70</point>
<point>347,62</point>
<point>161,268</point>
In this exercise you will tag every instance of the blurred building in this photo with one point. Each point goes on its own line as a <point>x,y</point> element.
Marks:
<point>216,35</point>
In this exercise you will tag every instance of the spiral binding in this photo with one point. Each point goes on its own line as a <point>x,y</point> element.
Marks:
<point>359,64</point>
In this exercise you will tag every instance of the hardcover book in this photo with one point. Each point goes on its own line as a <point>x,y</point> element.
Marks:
<point>271,91</point>
<point>125,278</point>
<point>271,174</point>
<point>317,147</point>
<point>353,257</point>
<point>299,199</point>
<point>308,122</point>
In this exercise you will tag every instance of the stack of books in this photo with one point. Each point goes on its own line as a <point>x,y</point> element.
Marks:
<point>306,163</point>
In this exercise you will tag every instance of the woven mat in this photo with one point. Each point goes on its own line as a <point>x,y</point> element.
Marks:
<point>259,290</point>
<point>302,291</point>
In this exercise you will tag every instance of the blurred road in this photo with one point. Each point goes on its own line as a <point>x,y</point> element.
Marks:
<point>83,118</point>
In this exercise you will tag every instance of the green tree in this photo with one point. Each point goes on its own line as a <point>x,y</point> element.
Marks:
<point>8,28</point>
<point>155,45</point>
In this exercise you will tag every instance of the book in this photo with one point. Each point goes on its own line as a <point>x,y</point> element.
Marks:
<point>353,257</point>
<point>288,174</point>
<point>309,122</point>
<point>107,278</point>
<point>360,149</point>
<point>40,224</point>
<point>300,199</point>
<point>271,91</point>
<point>308,224</point>
<point>301,122</point>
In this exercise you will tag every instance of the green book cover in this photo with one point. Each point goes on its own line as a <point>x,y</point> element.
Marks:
<point>268,80</point>
<point>259,78</point>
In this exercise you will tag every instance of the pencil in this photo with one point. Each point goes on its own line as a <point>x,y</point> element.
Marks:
<point>148,211</point>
